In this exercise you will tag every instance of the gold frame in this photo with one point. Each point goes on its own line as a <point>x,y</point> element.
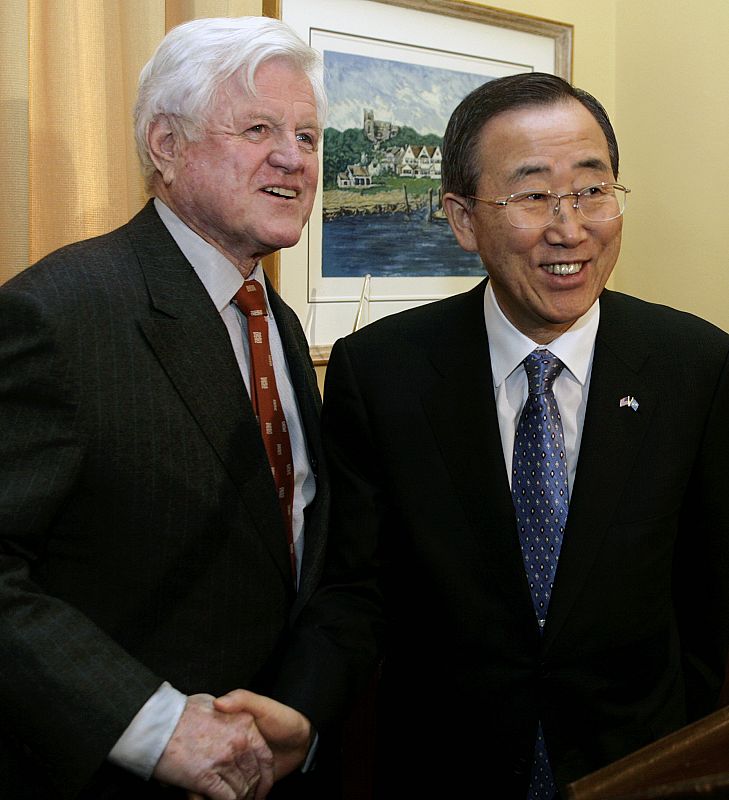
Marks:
<point>561,33</point>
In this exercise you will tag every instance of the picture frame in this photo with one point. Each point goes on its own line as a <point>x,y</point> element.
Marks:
<point>332,278</point>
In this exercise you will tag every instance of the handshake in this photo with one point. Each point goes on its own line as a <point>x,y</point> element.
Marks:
<point>233,747</point>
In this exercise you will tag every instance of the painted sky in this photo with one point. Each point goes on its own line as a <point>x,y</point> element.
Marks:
<point>405,94</point>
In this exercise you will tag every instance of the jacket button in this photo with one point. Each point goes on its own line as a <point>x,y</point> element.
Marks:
<point>520,766</point>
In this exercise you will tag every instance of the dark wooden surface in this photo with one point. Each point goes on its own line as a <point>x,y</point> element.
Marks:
<point>693,762</point>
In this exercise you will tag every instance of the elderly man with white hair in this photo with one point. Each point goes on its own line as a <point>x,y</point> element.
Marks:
<point>162,500</point>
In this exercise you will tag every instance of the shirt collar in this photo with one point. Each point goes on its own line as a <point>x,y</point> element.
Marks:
<point>218,275</point>
<point>508,347</point>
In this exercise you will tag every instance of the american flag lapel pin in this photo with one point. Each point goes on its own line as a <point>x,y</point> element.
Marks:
<point>629,402</point>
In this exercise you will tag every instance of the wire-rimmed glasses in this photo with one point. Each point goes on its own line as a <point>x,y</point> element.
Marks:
<point>600,202</point>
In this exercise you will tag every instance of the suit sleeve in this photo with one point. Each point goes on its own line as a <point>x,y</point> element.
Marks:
<point>66,689</point>
<point>701,580</point>
<point>338,635</point>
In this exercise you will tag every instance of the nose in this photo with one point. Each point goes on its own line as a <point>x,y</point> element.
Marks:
<point>570,199</point>
<point>568,227</point>
<point>286,152</point>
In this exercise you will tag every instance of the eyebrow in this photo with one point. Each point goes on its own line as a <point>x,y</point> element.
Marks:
<point>261,114</point>
<point>265,115</point>
<point>525,170</point>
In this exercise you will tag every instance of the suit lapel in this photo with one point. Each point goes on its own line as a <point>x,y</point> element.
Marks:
<point>610,443</point>
<point>463,418</point>
<point>191,342</point>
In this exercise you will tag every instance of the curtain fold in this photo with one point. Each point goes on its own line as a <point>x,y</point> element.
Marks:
<point>68,162</point>
<point>14,137</point>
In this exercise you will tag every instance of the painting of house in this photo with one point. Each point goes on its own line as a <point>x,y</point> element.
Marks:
<point>354,176</point>
<point>382,168</point>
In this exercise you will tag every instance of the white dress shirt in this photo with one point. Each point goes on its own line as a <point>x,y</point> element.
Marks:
<point>509,347</point>
<point>143,742</point>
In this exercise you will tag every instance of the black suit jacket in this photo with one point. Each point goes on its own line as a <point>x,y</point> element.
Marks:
<point>424,557</point>
<point>140,534</point>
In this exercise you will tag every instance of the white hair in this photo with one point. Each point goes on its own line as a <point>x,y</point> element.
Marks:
<point>196,58</point>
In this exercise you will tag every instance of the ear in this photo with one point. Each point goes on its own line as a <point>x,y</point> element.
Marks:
<point>163,145</point>
<point>460,219</point>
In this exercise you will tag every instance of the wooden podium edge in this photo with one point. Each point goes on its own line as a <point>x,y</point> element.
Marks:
<point>716,785</point>
<point>688,749</point>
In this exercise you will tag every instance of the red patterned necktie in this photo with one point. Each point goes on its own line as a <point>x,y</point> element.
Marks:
<point>251,300</point>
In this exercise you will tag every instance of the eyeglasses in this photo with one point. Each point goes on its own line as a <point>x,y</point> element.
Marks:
<point>538,209</point>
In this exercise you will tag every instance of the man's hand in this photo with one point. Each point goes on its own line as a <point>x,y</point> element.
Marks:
<point>287,732</point>
<point>220,755</point>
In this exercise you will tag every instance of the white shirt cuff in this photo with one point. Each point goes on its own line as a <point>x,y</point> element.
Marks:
<point>309,762</point>
<point>140,746</point>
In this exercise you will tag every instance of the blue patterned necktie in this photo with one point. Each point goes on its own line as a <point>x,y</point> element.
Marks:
<point>540,492</point>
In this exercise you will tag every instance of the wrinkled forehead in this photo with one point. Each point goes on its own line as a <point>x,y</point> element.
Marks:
<point>277,86</point>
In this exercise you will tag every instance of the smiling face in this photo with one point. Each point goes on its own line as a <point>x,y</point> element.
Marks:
<point>559,147</point>
<point>248,185</point>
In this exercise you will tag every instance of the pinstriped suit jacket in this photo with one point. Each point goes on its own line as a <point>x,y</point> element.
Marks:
<point>140,537</point>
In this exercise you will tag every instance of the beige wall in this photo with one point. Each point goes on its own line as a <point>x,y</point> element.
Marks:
<point>672,91</point>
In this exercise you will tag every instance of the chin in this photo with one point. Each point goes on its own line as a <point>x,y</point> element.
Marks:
<point>283,237</point>
<point>282,243</point>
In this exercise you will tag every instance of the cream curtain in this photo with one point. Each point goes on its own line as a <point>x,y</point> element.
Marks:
<point>67,85</point>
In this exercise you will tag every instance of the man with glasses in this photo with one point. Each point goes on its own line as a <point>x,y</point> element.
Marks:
<point>528,481</point>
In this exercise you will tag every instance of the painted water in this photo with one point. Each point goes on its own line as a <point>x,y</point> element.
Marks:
<point>394,245</point>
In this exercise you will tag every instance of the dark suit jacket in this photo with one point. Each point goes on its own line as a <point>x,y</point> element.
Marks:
<point>422,521</point>
<point>140,534</point>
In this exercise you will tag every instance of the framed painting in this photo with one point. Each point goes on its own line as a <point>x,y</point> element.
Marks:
<point>377,241</point>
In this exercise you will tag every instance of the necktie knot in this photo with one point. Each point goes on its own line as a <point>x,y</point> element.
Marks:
<point>251,299</point>
<point>542,368</point>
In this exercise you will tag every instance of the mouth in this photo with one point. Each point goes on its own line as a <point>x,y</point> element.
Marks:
<point>280,191</point>
<point>563,269</point>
